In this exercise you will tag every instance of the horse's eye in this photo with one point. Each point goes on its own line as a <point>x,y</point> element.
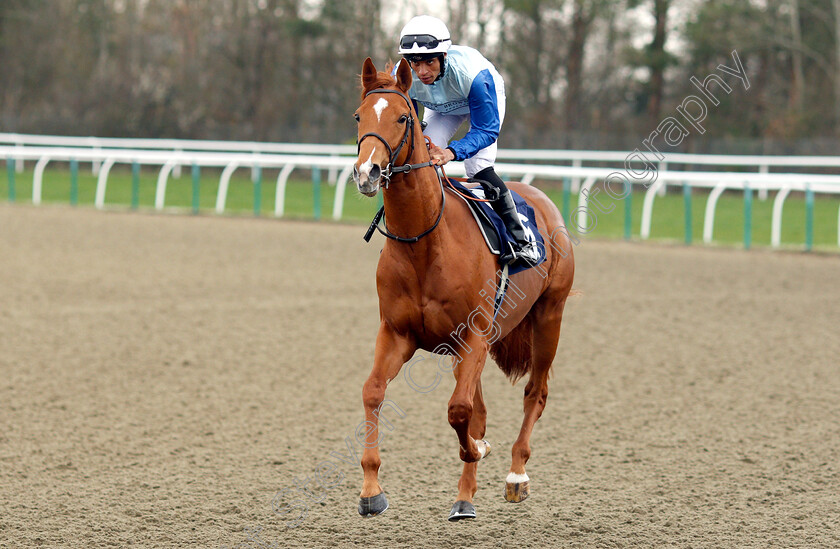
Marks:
<point>356,116</point>
<point>403,119</point>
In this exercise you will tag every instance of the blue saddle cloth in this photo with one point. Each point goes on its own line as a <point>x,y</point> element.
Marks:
<point>493,229</point>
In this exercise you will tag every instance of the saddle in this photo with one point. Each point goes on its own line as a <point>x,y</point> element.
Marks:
<point>493,229</point>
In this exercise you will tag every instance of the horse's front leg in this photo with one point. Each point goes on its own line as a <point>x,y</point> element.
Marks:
<point>392,351</point>
<point>468,416</point>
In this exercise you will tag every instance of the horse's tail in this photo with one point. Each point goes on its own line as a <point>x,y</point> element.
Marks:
<point>513,353</point>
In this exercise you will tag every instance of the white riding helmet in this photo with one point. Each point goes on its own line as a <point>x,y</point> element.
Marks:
<point>424,34</point>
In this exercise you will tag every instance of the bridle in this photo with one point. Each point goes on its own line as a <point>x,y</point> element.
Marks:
<point>391,169</point>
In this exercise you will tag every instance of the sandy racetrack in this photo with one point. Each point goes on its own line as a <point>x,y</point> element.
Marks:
<point>163,377</point>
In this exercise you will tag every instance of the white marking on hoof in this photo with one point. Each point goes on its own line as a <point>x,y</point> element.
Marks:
<point>517,487</point>
<point>379,107</point>
<point>483,447</point>
<point>513,478</point>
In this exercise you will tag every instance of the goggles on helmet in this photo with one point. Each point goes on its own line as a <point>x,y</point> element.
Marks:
<point>422,40</point>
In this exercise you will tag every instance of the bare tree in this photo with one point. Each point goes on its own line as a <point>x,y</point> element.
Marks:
<point>657,57</point>
<point>532,44</point>
<point>585,12</point>
<point>798,87</point>
<point>287,70</point>
<point>836,5</point>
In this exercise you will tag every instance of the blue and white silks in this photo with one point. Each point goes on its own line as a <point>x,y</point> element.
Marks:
<point>471,90</point>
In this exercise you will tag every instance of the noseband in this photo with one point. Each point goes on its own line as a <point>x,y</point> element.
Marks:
<point>390,169</point>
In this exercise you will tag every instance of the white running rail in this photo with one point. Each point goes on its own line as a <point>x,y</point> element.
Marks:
<point>718,182</point>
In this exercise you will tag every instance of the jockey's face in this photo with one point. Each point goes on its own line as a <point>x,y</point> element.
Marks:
<point>427,71</point>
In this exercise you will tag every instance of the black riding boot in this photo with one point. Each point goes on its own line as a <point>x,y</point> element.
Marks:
<point>504,206</point>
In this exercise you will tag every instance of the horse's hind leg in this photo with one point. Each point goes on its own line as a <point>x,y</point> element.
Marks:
<point>546,320</point>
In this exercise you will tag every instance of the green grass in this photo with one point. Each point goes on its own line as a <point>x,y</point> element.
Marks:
<point>302,203</point>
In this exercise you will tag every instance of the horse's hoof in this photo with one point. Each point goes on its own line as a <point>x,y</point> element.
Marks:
<point>461,510</point>
<point>516,487</point>
<point>372,506</point>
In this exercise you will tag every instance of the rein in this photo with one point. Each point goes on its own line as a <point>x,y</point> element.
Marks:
<point>481,183</point>
<point>390,170</point>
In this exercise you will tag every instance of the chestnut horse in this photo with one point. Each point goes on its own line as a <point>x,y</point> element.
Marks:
<point>434,280</point>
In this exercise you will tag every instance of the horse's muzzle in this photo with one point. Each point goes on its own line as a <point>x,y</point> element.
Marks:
<point>368,179</point>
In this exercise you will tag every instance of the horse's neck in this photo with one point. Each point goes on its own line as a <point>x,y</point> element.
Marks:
<point>413,199</point>
<point>412,203</point>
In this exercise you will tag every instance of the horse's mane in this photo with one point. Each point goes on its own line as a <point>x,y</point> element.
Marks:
<point>383,80</point>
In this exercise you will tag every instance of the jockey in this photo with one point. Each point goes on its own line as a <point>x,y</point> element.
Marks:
<point>456,84</point>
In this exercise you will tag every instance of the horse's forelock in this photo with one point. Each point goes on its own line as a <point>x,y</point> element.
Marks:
<point>384,79</point>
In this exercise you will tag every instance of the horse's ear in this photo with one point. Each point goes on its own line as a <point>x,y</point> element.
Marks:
<point>368,74</point>
<point>403,75</point>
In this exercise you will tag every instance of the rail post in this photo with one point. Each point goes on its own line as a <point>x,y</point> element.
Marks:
<point>747,216</point>
<point>74,182</point>
<point>809,218</point>
<point>316,192</point>
<point>196,188</point>
<point>135,185</point>
<point>567,192</point>
<point>628,212</point>
<point>257,171</point>
<point>10,168</point>
<point>687,203</point>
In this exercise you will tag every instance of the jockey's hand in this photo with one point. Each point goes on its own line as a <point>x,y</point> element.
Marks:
<point>440,156</point>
